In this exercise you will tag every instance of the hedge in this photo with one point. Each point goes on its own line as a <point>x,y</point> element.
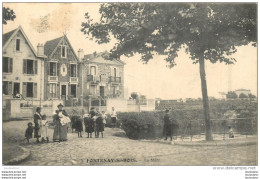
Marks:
<point>145,125</point>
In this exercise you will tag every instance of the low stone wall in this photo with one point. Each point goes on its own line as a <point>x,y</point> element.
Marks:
<point>17,108</point>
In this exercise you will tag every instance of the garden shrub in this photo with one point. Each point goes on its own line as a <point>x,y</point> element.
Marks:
<point>145,125</point>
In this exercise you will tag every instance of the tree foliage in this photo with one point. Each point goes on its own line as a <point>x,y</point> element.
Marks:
<point>134,95</point>
<point>231,95</point>
<point>243,95</point>
<point>250,95</point>
<point>8,14</point>
<point>209,29</point>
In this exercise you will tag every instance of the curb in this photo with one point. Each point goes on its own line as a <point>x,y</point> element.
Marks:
<point>218,144</point>
<point>199,144</point>
<point>26,154</point>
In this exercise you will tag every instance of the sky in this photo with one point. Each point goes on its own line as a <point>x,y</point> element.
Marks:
<point>154,79</point>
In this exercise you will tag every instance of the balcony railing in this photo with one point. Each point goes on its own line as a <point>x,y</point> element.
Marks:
<point>113,79</point>
<point>93,78</point>
<point>52,78</point>
<point>74,80</point>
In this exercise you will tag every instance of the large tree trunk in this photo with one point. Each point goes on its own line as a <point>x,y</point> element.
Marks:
<point>205,99</point>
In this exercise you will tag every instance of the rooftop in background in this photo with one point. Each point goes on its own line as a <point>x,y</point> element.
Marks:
<point>102,57</point>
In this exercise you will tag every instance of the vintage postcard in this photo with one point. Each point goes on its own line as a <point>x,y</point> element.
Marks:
<point>130,84</point>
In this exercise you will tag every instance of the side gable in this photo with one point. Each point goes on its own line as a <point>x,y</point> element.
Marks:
<point>10,35</point>
<point>75,55</point>
<point>51,45</point>
<point>52,48</point>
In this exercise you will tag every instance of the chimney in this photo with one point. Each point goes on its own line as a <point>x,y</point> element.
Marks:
<point>80,54</point>
<point>40,50</point>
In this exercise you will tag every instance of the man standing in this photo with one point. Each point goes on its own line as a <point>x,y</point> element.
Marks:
<point>113,117</point>
<point>167,128</point>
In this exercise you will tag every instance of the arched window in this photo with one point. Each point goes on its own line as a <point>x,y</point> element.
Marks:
<point>93,70</point>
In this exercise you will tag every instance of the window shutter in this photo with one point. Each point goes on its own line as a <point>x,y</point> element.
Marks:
<point>24,66</point>
<point>10,88</point>
<point>58,69</point>
<point>35,67</point>
<point>35,90</point>
<point>48,68</point>
<point>69,69</point>
<point>77,71</point>
<point>48,91</point>
<point>58,91</point>
<point>24,89</point>
<point>10,65</point>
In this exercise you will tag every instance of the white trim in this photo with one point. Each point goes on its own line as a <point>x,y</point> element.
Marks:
<point>89,69</point>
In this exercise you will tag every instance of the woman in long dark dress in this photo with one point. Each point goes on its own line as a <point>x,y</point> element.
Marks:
<point>167,128</point>
<point>89,125</point>
<point>100,126</point>
<point>78,126</point>
<point>60,130</point>
<point>37,129</point>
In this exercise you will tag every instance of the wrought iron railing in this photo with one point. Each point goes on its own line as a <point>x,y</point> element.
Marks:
<point>115,79</point>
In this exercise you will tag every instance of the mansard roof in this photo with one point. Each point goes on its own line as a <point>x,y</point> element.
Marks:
<point>102,58</point>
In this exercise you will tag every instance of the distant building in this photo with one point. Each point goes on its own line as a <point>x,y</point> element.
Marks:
<point>245,91</point>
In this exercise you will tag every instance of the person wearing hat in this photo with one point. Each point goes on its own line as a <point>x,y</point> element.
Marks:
<point>61,121</point>
<point>167,128</point>
<point>37,121</point>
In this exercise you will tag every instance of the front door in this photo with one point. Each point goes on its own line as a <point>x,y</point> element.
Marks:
<point>16,88</point>
<point>102,91</point>
<point>63,92</point>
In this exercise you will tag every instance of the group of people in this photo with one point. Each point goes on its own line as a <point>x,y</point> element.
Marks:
<point>94,121</point>
<point>40,127</point>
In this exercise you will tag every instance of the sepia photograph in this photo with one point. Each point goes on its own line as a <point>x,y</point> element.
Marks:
<point>130,84</point>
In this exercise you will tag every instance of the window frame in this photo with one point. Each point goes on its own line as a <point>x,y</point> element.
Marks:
<point>9,65</point>
<point>53,94</point>
<point>56,71</point>
<point>91,70</point>
<point>75,85</point>
<point>27,89</point>
<point>65,51</point>
<point>95,89</point>
<point>18,45</point>
<point>71,64</point>
<point>7,87</point>
<point>34,65</point>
